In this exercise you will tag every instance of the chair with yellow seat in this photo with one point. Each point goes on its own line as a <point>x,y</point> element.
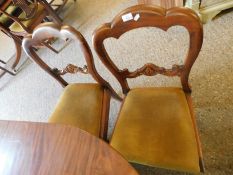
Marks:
<point>155,126</point>
<point>84,105</point>
<point>18,18</point>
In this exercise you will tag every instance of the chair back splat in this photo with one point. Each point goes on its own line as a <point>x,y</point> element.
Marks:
<point>156,126</point>
<point>151,16</point>
<point>48,31</point>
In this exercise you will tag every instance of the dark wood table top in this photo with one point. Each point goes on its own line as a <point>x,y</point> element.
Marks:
<point>29,148</point>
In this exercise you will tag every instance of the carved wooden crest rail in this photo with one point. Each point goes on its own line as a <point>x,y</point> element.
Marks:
<point>151,16</point>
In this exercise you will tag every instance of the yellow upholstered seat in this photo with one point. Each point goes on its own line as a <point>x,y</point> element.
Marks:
<point>80,105</point>
<point>4,19</point>
<point>16,27</point>
<point>155,128</point>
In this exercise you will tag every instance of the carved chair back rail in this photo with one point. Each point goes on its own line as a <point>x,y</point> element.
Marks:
<point>152,17</point>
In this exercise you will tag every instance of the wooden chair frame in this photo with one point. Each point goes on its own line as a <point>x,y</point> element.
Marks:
<point>51,30</point>
<point>154,16</point>
<point>17,42</point>
<point>151,16</point>
<point>18,36</point>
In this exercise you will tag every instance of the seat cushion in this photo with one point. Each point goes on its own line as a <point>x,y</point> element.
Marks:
<point>155,128</point>
<point>15,27</point>
<point>4,19</point>
<point>80,105</point>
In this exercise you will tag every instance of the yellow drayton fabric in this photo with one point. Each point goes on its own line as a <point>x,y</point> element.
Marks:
<point>80,105</point>
<point>10,10</point>
<point>155,128</point>
<point>15,27</point>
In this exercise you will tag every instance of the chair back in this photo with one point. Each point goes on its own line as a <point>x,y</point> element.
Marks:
<point>8,12</point>
<point>45,32</point>
<point>151,16</point>
<point>28,7</point>
<point>25,15</point>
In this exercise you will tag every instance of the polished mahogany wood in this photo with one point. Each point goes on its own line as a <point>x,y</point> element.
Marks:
<point>53,149</point>
<point>154,16</point>
<point>151,16</point>
<point>46,31</point>
<point>193,117</point>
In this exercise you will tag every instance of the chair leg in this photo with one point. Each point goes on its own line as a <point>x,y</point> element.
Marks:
<point>202,165</point>
<point>18,54</point>
<point>105,115</point>
<point>50,47</point>
<point>2,61</point>
<point>46,19</point>
<point>190,104</point>
<point>52,13</point>
<point>12,72</point>
<point>6,70</point>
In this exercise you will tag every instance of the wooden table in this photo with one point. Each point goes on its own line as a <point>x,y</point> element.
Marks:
<point>28,148</point>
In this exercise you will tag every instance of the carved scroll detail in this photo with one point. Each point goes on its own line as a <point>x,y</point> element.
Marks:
<point>151,70</point>
<point>72,69</point>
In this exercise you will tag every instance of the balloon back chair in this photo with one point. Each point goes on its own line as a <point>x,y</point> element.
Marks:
<point>156,126</point>
<point>85,105</point>
<point>18,18</point>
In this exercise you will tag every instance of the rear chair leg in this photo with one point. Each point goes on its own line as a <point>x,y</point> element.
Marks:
<point>50,47</point>
<point>105,115</point>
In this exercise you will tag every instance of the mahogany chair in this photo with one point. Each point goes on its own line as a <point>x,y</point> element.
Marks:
<point>85,105</point>
<point>19,17</point>
<point>156,126</point>
<point>5,67</point>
